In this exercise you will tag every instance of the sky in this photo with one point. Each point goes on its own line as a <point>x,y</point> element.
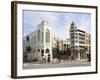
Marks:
<point>59,21</point>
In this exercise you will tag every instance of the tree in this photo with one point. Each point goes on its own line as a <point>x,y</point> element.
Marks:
<point>54,53</point>
<point>28,49</point>
<point>58,52</point>
<point>24,56</point>
<point>88,55</point>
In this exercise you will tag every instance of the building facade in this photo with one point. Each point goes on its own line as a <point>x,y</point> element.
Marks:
<point>43,44</point>
<point>79,40</point>
<point>40,42</point>
<point>88,44</point>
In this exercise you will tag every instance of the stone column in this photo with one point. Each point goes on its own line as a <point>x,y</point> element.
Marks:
<point>78,56</point>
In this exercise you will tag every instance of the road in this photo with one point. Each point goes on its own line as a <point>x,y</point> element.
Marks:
<point>56,65</point>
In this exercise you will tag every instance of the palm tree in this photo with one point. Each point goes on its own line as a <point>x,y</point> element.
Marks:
<point>28,50</point>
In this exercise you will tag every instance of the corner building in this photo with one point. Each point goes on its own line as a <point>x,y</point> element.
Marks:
<point>80,43</point>
<point>40,41</point>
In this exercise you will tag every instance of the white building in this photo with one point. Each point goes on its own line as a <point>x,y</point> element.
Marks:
<point>40,41</point>
<point>44,44</point>
<point>78,42</point>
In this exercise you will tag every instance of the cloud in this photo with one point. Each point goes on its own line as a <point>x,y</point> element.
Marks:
<point>85,23</point>
<point>59,21</point>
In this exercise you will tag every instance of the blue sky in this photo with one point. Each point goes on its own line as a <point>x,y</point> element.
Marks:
<point>59,21</point>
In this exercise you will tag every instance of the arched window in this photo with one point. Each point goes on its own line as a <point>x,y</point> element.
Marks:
<point>47,36</point>
<point>42,37</point>
<point>47,51</point>
<point>27,38</point>
<point>38,35</point>
<point>32,41</point>
<point>35,39</point>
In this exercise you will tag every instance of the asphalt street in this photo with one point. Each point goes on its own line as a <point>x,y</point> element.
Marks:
<point>56,65</point>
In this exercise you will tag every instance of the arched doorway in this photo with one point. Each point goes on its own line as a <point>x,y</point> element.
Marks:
<point>49,56</point>
<point>42,52</point>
